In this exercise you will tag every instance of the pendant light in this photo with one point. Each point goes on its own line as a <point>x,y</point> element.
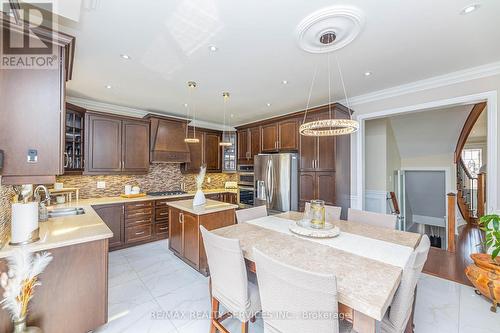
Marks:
<point>330,126</point>
<point>224,143</point>
<point>194,139</point>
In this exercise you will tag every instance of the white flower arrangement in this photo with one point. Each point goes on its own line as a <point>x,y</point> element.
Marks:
<point>20,280</point>
<point>199,197</point>
<point>200,178</point>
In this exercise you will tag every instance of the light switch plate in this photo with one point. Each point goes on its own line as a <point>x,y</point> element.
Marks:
<point>209,180</point>
<point>101,184</point>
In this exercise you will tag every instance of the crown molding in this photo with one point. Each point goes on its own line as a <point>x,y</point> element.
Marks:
<point>472,73</point>
<point>138,113</point>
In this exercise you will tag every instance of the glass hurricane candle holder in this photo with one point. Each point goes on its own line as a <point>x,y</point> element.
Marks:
<point>317,214</point>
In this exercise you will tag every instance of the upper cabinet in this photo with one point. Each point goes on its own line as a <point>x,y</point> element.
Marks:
<point>116,144</point>
<point>32,111</point>
<point>317,153</point>
<point>206,152</point>
<point>167,140</point>
<point>269,138</point>
<point>74,139</point>
<point>249,144</point>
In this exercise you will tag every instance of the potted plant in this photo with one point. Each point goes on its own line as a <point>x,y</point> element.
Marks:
<point>484,274</point>
<point>490,224</point>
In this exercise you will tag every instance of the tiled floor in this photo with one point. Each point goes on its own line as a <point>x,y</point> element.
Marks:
<point>150,290</point>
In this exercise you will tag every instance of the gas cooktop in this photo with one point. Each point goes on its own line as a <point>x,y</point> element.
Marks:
<point>166,193</point>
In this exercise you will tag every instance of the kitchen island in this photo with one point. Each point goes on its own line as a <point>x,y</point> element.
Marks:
<point>185,239</point>
<point>73,296</point>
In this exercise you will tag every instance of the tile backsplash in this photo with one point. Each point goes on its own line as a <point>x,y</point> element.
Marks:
<point>161,177</point>
<point>6,194</point>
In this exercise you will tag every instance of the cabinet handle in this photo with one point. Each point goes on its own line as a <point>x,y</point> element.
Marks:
<point>181,218</point>
<point>140,233</point>
<point>141,221</point>
<point>139,205</point>
<point>164,228</point>
<point>163,214</point>
<point>66,162</point>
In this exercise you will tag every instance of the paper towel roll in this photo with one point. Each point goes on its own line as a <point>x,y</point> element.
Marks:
<point>24,221</point>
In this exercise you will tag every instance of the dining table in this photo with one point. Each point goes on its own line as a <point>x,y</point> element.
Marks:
<point>366,260</point>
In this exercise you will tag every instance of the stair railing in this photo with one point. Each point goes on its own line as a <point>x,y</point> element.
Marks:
<point>467,190</point>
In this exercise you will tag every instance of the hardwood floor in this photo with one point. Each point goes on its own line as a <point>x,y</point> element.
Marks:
<point>451,266</point>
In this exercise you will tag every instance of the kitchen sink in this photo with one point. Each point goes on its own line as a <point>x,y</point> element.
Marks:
<point>57,212</point>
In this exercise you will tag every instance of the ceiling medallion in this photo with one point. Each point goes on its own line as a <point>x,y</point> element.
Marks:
<point>345,23</point>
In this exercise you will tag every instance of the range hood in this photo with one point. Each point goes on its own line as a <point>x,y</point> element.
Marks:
<point>167,140</point>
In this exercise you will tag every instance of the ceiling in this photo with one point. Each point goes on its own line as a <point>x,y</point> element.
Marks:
<point>168,42</point>
<point>429,133</point>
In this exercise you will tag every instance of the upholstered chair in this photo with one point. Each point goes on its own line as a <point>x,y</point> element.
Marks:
<point>396,318</point>
<point>377,219</point>
<point>332,213</point>
<point>243,215</point>
<point>298,295</point>
<point>229,282</point>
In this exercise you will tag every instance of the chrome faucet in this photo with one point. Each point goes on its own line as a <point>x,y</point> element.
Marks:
<point>43,214</point>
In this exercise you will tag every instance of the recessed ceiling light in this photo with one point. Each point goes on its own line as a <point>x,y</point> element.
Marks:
<point>185,105</point>
<point>108,86</point>
<point>213,48</point>
<point>125,56</point>
<point>367,73</point>
<point>232,115</point>
<point>284,82</point>
<point>268,104</point>
<point>469,9</point>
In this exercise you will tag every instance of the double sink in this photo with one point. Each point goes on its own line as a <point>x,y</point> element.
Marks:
<point>59,212</point>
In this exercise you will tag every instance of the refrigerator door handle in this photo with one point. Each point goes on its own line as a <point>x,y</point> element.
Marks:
<point>271,184</point>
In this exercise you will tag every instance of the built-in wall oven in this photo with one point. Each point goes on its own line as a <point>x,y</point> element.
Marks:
<point>246,186</point>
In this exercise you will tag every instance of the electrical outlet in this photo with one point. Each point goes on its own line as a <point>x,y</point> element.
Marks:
<point>209,180</point>
<point>101,184</point>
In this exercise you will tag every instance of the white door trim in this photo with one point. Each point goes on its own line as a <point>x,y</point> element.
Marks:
<point>490,97</point>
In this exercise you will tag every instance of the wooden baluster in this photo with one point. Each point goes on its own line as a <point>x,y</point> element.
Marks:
<point>481,194</point>
<point>452,202</point>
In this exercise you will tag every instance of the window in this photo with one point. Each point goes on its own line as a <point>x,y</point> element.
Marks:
<point>473,160</point>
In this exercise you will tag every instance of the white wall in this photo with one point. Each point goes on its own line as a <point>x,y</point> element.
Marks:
<point>375,148</point>
<point>393,158</point>
<point>404,99</point>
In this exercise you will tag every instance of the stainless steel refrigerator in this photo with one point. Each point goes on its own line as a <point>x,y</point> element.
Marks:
<point>277,181</point>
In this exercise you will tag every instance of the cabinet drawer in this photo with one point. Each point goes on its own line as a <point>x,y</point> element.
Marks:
<point>146,212</point>
<point>146,219</point>
<point>161,214</point>
<point>161,203</point>
<point>129,207</point>
<point>161,230</point>
<point>138,233</point>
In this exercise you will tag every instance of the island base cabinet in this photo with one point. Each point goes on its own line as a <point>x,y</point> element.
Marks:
<point>185,238</point>
<point>73,296</point>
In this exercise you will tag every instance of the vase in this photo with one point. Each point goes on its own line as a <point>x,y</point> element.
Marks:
<point>199,198</point>
<point>20,327</point>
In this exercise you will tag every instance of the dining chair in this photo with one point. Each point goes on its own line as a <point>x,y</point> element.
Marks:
<point>243,215</point>
<point>229,282</point>
<point>397,317</point>
<point>332,213</point>
<point>376,219</point>
<point>291,297</point>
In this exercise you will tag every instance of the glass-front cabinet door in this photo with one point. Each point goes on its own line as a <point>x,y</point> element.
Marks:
<point>229,153</point>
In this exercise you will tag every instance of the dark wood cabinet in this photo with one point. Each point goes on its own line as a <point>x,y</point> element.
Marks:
<point>175,231</point>
<point>185,238</point>
<point>103,145</point>
<point>135,147</point>
<point>213,151</point>
<point>113,216</point>
<point>269,135</point>
<point>317,153</point>
<point>249,144</point>
<point>32,117</point>
<point>288,135</point>
<point>206,152</point>
<point>74,139</point>
<point>115,144</point>
<point>316,186</point>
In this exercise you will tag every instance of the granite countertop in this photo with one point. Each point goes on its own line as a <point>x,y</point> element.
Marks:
<point>211,206</point>
<point>71,230</point>
<point>67,230</point>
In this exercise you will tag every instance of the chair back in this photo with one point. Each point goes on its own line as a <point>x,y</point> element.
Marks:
<point>243,215</point>
<point>376,219</point>
<point>227,271</point>
<point>402,302</point>
<point>332,213</point>
<point>298,294</point>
